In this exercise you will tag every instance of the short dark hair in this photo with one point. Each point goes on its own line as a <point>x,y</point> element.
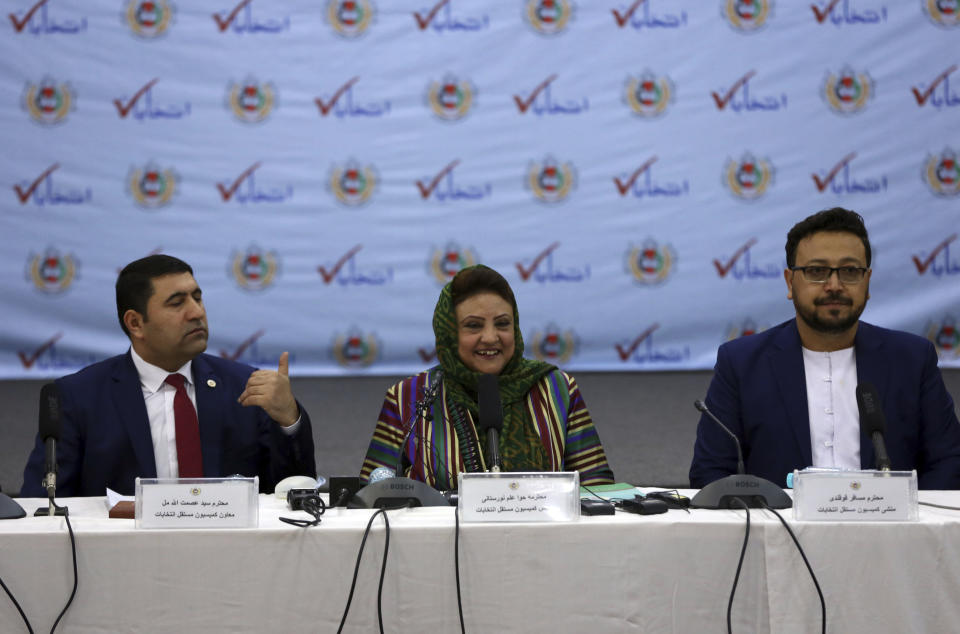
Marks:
<point>480,279</point>
<point>836,219</point>
<point>135,282</point>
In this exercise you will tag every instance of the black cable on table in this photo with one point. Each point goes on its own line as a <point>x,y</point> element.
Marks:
<point>356,569</point>
<point>743,551</point>
<point>823,605</point>
<point>456,562</point>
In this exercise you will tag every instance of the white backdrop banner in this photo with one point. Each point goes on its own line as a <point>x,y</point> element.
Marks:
<point>631,166</point>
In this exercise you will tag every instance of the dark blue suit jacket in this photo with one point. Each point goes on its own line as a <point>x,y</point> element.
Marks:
<point>105,438</point>
<point>759,391</point>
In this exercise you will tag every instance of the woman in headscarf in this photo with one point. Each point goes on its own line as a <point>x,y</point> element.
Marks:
<point>433,415</point>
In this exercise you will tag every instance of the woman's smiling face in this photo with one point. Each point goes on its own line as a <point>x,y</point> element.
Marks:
<point>485,332</point>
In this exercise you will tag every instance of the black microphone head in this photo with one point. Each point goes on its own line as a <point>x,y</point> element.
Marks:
<point>50,411</point>
<point>700,405</point>
<point>872,418</point>
<point>488,402</point>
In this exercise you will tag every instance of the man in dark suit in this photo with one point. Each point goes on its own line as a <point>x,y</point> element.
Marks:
<point>165,409</point>
<point>788,393</point>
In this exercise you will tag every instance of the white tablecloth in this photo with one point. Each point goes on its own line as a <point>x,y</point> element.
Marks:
<point>625,573</point>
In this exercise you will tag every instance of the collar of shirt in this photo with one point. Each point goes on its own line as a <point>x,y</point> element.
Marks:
<point>152,378</point>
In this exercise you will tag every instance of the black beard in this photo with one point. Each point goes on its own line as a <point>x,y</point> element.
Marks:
<point>833,327</point>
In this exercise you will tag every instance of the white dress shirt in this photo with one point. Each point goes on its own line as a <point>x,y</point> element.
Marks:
<point>158,397</point>
<point>831,379</point>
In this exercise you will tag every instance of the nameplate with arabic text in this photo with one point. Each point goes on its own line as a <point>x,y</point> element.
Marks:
<point>519,497</point>
<point>197,503</point>
<point>855,496</point>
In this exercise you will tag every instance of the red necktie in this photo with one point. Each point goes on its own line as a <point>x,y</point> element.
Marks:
<point>187,430</point>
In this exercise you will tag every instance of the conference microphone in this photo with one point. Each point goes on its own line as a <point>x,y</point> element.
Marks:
<point>50,434</point>
<point>753,491</point>
<point>873,422</point>
<point>700,405</point>
<point>491,417</point>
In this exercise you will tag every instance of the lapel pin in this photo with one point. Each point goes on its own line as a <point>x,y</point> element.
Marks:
<point>211,383</point>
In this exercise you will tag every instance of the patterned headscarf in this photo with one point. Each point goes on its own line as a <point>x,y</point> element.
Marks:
<point>518,440</point>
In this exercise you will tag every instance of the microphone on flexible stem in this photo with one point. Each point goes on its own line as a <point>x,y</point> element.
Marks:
<point>491,417</point>
<point>873,422</point>
<point>50,434</point>
<point>753,491</point>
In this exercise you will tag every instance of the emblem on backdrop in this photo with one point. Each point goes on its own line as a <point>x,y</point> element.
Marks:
<point>945,336</point>
<point>942,173</point>
<point>451,98</point>
<point>648,95</point>
<point>251,101</point>
<point>352,183</point>
<point>444,263</point>
<point>651,263</point>
<point>52,272</point>
<point>255,269</point>
<point>350,18</point>
<point>356,348</point>
<point>747,16</point>
<point>749,177</point>
<point>943,12</point>
<point>48,102</point>
<point>848,91</point>
<point>550,180</point>
<point>553,345</point>
<point>149,18</point>
<point>548,17</point>
<point>151,186</point>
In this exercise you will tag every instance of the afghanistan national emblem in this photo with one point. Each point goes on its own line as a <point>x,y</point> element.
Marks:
<point>553,345</point>
<point>353,184</point>
<point>350,18</point>
<point>52,272</point>
<point>848,91</point>
<point>152,187</point>
<point>355,349</point>
<point>255,269</point>
<point>943,12</point>
<point>48,102</point>
<point>251,101</point>
<point>648,95</point>
<point>945,337</point>
<point>942,173</point>
<point>749,178</point>
<point>550,180</point>
<point>149,18</point>
<point>548,17</point>
<point>445,263</point>
<point>650,263</point>
<point>451,98</point>
<point>747,15</point>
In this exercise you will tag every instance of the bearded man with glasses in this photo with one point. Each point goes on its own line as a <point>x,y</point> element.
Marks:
<point>789,393</point>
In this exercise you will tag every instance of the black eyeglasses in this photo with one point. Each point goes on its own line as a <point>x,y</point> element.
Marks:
<point>820,274</point>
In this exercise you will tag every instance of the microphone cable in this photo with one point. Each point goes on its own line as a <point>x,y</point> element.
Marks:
<point>24,616</point>
<point>356,570</point>
<point>456,562</point>
<point>823,605</point>
<point>743,551</point>
<point>939,506</point>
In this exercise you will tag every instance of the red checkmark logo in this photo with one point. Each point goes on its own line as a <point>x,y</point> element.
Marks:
<point>332,273</point>
<point>625,353</point>
<point>29,359</point>
<point>124,108</point>
<point>325,108</point>
<point>923,265</point>
<point>24,194</point>
<point>922,97</point>
<point>246,343</point>
<point>821,14</point>
<point>623,19</point>
<point>227,193</point>
<point>424,22</point>
<point>624,187</point>
<point>224,24</point>
<point>425,191</point>
<point>525,272</point>
<point>19,24</point>
<point>427,355</point>
<point>524,104</point>
<point>724,268</point>
<point>725,99</point>
<point>822,184</point>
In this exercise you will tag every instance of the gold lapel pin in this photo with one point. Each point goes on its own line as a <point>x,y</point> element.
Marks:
<point>211,383</point>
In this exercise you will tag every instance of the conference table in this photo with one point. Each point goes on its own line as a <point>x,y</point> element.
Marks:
<point>622,573</point>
